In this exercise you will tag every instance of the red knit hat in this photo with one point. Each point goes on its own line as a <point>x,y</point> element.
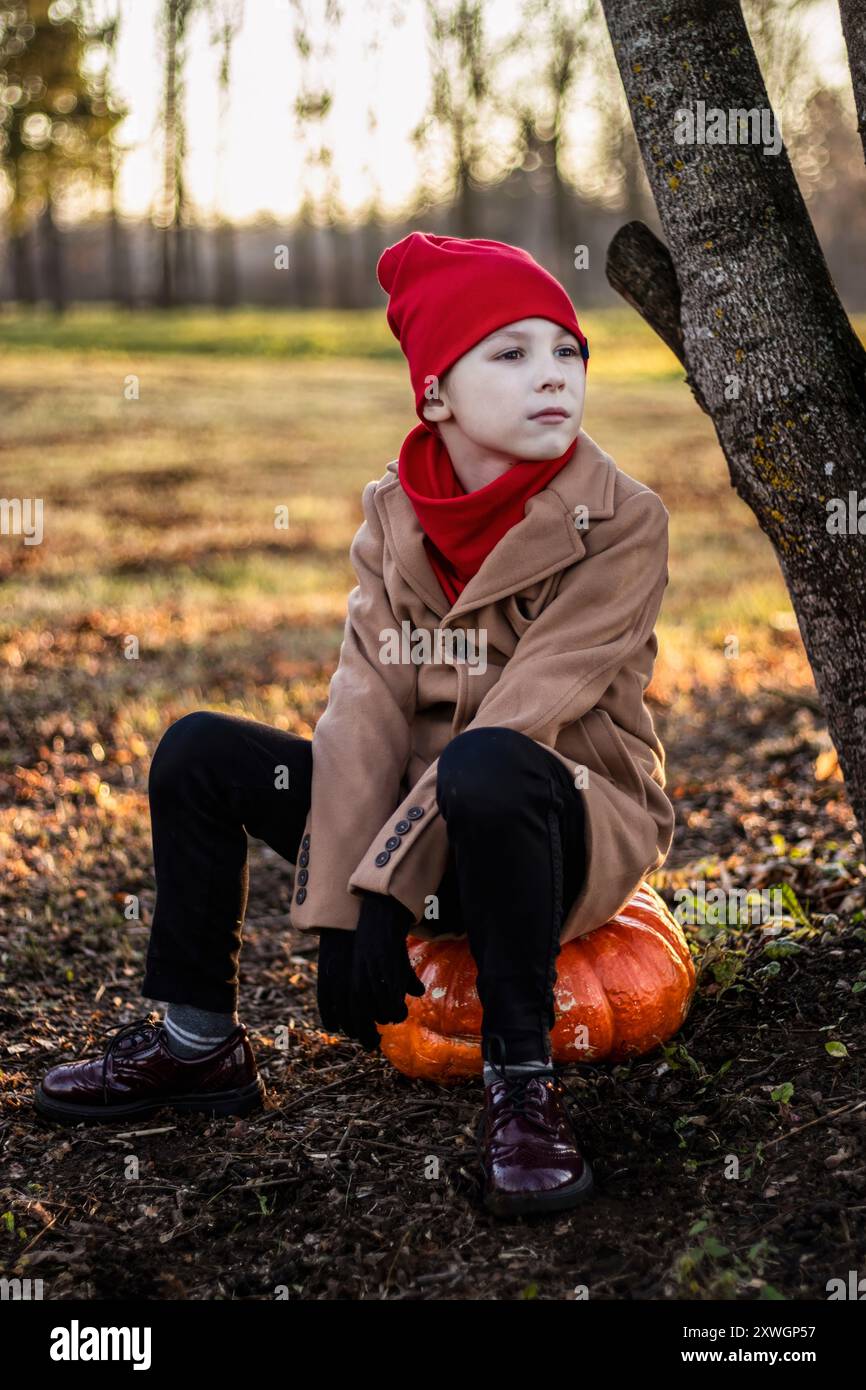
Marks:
<point>447,293</point>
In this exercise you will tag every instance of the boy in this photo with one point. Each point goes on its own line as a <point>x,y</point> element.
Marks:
<point>519,800</point>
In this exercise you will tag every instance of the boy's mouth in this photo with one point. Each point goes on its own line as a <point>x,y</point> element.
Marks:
<point>553,412</point>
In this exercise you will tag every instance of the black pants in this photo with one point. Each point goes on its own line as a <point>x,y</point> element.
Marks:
<point>515,824</point>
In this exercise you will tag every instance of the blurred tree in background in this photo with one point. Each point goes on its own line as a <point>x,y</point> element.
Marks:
<point>524,135</point>
<point>56,121</point>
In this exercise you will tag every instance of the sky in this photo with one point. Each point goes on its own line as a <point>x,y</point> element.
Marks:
<point>262,170</point>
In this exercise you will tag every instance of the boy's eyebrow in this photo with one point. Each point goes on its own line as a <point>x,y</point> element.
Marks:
<point>521,333</point>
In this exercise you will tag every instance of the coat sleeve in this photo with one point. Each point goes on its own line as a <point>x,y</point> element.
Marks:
<point>361,743</point>
<point>605,610</point>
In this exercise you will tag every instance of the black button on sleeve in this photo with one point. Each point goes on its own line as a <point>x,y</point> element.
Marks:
<point>382,857</point>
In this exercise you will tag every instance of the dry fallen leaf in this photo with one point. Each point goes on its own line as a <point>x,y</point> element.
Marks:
<point>827,766</point>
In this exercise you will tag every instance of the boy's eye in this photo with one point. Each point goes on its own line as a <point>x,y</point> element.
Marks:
<point>566,347</point>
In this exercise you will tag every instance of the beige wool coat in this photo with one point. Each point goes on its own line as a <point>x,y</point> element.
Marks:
<point>567,603</point>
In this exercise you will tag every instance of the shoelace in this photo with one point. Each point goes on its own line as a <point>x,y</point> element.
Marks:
<point>137,1026</point>
<point>516,1096</point>
<point>517,1100</point>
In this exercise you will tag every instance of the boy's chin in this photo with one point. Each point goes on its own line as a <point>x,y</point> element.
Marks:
<point>541,450</point>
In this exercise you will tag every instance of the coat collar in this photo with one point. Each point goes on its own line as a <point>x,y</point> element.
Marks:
<point>546,540</point>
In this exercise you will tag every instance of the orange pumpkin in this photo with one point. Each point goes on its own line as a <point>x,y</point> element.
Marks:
<point>620,991</point>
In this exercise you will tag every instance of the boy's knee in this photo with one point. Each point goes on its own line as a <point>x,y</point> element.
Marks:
<point>185,739</point>
<point>476,766</point>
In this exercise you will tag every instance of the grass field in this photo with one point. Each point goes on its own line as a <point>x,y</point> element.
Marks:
<point>161,447</point>
<point>166,501</point>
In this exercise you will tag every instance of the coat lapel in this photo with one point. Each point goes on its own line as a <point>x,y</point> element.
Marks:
<point>546,540</point>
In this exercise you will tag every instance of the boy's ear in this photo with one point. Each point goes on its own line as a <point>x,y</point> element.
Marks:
<point>437,407</point>
<point>435,411</point>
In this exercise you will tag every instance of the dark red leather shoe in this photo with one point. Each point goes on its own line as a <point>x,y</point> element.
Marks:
<point>529,1155</point>
<point>138,1075</point>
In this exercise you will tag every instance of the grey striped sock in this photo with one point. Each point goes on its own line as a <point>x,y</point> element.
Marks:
<point>513,1070</point>
<point>191,1032</point>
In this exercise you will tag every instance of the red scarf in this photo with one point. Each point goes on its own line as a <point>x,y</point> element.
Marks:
<point>461,528</point>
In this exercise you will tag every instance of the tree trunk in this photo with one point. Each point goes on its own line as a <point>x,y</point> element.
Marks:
<point>467,202</point>
<point>766,343</point>
<point>52,261</point>
<point>853,14</point>
<point>20,251</point>
<point>226,265</point>
<point>184,260</point>
<point>566,233</point>
<point>167,289</point>
<point>119,272</point>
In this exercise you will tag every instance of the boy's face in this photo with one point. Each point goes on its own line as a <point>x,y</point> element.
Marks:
<point>492,395</point>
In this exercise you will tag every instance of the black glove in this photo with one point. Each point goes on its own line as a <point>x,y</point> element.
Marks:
<point>381,973</point>
<point>336,948</point>
<point>334,993</point>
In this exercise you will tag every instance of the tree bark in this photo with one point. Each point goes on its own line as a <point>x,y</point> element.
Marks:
<point>853,13</point>
<point>765,341</point>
